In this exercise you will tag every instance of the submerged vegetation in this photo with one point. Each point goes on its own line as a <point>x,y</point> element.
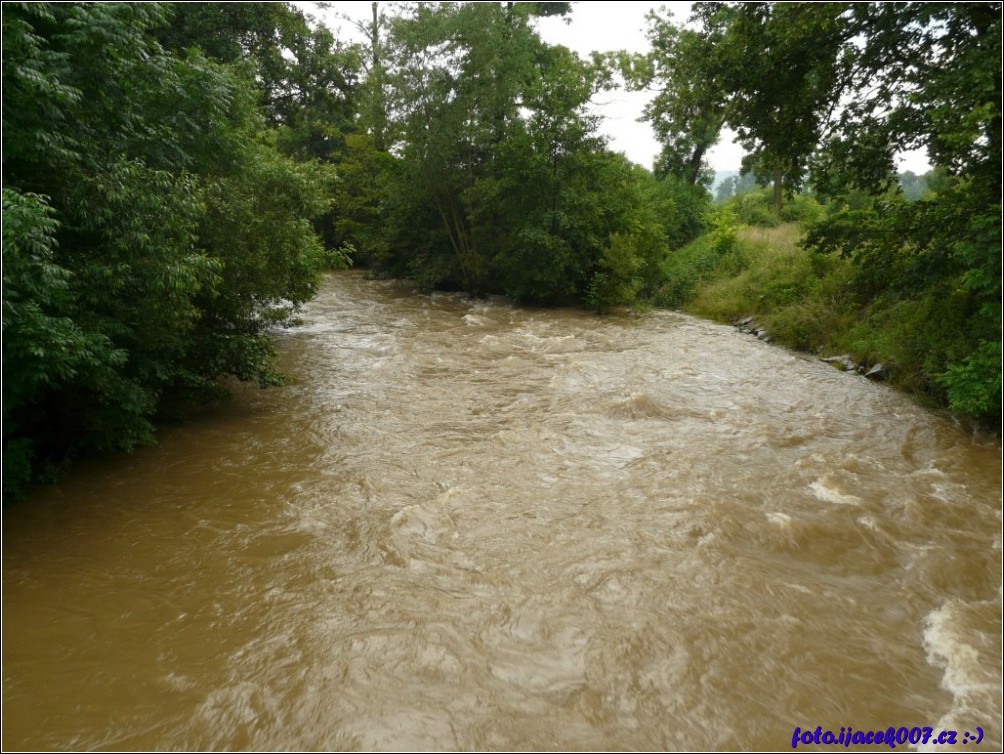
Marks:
<point>176,175</point>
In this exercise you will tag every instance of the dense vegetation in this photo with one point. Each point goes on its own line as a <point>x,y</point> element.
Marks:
<point>501,183</point>
<point>852,85</point>
<point>175,176</point>
<point>152,231</point>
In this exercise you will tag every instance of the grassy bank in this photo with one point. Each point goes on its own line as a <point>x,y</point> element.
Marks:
<point>820,303</point>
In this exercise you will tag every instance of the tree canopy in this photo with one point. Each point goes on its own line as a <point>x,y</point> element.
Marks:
<point>502,182</point>
<point>829,94</point>
<point>152,231</point>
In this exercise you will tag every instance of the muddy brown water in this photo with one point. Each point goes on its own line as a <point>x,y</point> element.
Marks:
<point>474,526</point>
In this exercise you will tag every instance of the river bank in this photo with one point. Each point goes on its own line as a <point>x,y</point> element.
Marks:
<point>818,304</point>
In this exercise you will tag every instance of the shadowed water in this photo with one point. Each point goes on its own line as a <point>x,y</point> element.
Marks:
<point>472,526</point>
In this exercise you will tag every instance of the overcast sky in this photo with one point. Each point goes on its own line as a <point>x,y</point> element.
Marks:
<point>603,26</point>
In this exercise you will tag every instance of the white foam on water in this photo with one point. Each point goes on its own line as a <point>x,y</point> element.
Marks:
<point>780,519</point>
<point>829,495</point>
<point>970,672</point>
<point>869,522</point>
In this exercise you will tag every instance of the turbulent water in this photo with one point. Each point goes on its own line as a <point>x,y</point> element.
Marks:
<point>473,526</point>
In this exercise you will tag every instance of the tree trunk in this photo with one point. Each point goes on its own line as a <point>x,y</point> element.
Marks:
<point>695,164</point>
<point>778,178</point>
<point>376,71</point>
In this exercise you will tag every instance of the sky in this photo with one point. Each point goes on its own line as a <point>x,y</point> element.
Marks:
<point>604,26</point>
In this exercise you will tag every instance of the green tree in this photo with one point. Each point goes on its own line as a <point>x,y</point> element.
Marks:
<point>373,110</point>
<point>309,84</point>
<point>460,74</point>
<point>122,166</point>
<point>914,186</point>
<point>689,108</point>
<point>265,37</point>
<point>502,183</point>
<point>927,75</point>
<point>921,76</point>
<point>769,71</point>
<point>784,70</point>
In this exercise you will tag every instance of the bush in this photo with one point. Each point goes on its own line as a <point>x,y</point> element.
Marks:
<point>974,386</point>
<point>754,208</point>
<point>803,299</point>
<point>802,208</point>
<point>696,263</point>
<point>618,281</point>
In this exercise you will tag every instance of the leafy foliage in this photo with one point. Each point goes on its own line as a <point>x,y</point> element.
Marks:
<point>933,77</point>
<point>501,182</point>
<point>769,71</point>
<point>152,233</point>
<point>689,106</point>
<point>307,83</point>
<point>833,91</point>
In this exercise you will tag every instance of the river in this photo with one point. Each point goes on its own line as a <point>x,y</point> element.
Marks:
<point>468,525</point>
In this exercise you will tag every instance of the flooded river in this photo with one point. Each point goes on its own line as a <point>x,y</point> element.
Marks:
<point>473,526</point>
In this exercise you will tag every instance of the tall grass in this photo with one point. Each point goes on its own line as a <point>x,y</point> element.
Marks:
<point>936,337</point>
<point>816,302</point>
<point>804,300</point>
